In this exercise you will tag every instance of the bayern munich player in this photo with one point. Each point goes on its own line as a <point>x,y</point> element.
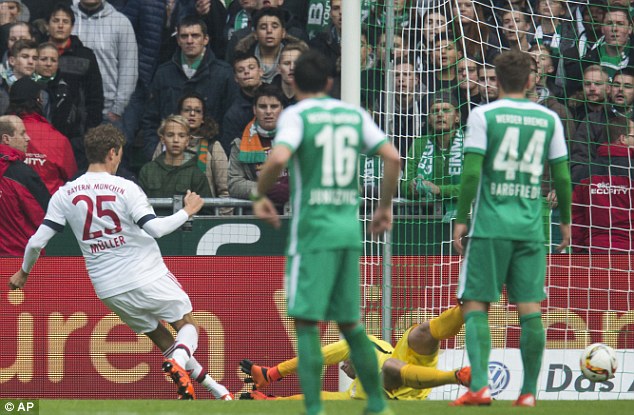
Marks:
<point>115,226</point>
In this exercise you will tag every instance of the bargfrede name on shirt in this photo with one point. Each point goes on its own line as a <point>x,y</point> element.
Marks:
<point>515,189</point>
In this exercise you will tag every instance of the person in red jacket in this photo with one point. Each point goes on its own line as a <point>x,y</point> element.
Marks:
<point>603,204</point>
<point>49,152</point>
<point>23,196</point>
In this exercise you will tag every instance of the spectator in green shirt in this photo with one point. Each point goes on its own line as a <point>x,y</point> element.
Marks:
<point>434,165</point>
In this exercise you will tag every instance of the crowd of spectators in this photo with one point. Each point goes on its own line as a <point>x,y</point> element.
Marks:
<point>218,72</point>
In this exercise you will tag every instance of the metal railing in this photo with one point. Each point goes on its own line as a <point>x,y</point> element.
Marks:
<point>216,203</point>
<point>403,208</point>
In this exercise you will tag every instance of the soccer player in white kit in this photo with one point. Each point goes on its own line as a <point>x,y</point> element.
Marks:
<point>115,226</point>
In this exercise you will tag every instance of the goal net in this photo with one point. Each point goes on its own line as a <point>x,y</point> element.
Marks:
<point>431,64</point>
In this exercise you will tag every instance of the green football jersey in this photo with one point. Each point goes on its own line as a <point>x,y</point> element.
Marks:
<point>516,137</point>
<point>326,137</point>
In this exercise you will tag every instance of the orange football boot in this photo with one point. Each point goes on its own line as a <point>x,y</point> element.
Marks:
<point>528,400</point>
<point>181,379</point>
<point>479,398</point>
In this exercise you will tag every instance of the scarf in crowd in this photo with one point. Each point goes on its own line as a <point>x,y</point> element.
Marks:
<point>42,79</point>
<point>611,63</point>
<point>202,153</point>
<point>425,170</point>
<point>251,149</point>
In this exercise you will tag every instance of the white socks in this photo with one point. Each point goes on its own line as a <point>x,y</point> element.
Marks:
<point>182,352</point>
<point>196,373</point>
<point>185,345</point>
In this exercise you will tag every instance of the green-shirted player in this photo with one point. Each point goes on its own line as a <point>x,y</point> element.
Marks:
<point>320,139</point>
<point>506,145</point>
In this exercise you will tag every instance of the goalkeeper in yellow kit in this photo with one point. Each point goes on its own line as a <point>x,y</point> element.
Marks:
<point>408,369</point>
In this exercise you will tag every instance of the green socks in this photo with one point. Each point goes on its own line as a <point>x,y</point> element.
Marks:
<point>309,367</point>
<point>532,343</point>
<point>363,357</point>
<point>478,339</point>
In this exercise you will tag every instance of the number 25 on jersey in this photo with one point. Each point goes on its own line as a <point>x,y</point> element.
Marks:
<point>101,212</point>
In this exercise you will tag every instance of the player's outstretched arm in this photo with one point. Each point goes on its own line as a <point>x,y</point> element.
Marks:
<point>382,219</point>
<point>563,188</point>
<point>36,243</point>
<point>468,187</point>
<point>192,203</point>
<point>158,227</point>
<point>18,280</point>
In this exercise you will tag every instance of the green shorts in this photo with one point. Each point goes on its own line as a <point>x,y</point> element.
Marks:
<point>324,285</point>
<point>489,264</point>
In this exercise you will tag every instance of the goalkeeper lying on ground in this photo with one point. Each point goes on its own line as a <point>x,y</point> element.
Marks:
<point>408,369</point>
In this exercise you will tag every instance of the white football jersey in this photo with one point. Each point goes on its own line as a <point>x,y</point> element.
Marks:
<point>106,213</point>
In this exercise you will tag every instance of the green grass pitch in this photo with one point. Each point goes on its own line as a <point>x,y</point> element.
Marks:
<point>164,407</point>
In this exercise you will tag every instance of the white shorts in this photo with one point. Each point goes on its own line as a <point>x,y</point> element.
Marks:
<point>143,308</point>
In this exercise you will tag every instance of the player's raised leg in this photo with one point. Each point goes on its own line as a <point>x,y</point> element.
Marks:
<point>414,363</point>
<point>185,345</point>
<point>397,373</point>
<point>173,365</point>
<point>262,376</point>
<point>180,362</point>
<point>186,341</point>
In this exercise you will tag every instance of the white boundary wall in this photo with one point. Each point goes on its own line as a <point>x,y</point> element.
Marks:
<point>560,377</point>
